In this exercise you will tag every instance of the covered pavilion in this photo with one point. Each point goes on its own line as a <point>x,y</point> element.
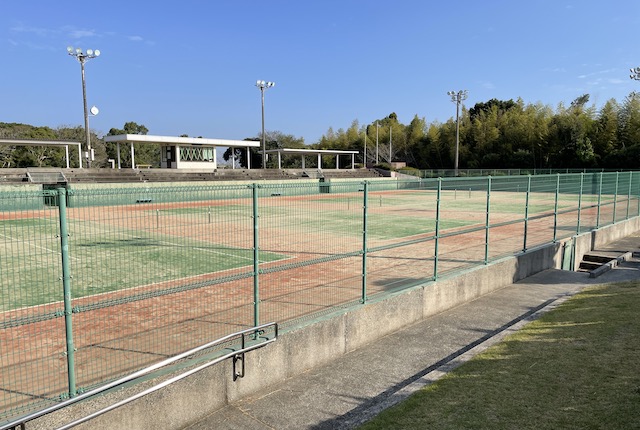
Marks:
<point>181,152</point>
<point>318,152</point>
<point>54,143</point>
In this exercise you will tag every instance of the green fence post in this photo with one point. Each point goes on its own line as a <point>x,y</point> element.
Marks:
<point>580,203</point>
<point>486,234</point>
<point>599,202</point>
<point>66,287</point>
<point>526,214</point>
<point>256,256</point>
<point>365,205</point>
<point>637,199</point>
<point>437,238</point>
<point>638,202</point>
<point>555,210</point>
<point>615,198</point>
<point>629,196</point>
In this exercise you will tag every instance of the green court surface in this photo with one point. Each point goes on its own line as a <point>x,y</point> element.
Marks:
<point>103,260</point>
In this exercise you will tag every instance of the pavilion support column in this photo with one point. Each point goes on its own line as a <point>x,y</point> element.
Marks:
<point>118,153</point>
<point>319,161</point>
<point>66,154</point>
<point>303,162</point>
<point>279,160</point>
<point>248,158</point>
<point>337,161</point>
<point>353,161</point>
<point>133,157</point>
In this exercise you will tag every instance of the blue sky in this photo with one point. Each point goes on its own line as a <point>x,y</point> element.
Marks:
<point>190,67</point>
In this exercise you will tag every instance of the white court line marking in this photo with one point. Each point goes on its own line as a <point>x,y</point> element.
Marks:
<point>178,245</point>
<point>35,246</point>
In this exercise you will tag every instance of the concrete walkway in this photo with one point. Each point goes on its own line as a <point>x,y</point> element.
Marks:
<point>356,387</point>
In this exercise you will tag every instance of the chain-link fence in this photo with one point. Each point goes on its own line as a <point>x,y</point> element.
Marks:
<point>99,282</point>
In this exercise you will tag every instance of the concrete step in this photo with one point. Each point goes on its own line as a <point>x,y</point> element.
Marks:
<point>597,263</point>
<point>588,266</point>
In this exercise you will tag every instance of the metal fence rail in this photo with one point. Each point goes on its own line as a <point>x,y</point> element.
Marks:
<point>97,283</point>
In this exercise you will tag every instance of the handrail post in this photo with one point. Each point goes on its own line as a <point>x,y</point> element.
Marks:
<point>66,287</point>
<point>256,256</point>
<point>365,205</point>
<point>486,235</point>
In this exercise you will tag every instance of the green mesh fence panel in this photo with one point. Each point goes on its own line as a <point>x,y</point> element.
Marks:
<point>154,270</point>
<point>32,334</point>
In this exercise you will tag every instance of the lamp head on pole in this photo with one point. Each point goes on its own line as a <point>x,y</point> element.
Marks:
<point>264,84</point>
<point>459,96</point>
<point>83,56</point>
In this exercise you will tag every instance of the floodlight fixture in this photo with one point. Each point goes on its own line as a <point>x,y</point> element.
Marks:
<point>635,73</point>
<point>262,85</point>
<point>82,58</point>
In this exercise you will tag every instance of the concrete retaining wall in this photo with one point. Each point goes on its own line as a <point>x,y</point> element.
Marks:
<point>304,348</point>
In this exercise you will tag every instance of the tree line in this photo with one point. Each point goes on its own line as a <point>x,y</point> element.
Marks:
<point>492,134</point>
<point>505,134</point>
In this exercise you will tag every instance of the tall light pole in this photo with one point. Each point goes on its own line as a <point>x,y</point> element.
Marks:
<point>82,58</point>
<point>457,98</point>
<point>390,140</point>
<point>635,73</point>
<point>262,85</point>
<point>364,156</point>
<point>377,127</point>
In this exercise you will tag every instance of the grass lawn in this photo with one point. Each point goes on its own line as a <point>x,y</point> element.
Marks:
<point>577,367</point>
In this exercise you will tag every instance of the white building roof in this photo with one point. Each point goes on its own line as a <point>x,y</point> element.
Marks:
<point>171,140</point>
<point>311,151</point>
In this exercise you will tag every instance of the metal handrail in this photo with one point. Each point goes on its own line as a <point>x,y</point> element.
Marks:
<point>22,421</point>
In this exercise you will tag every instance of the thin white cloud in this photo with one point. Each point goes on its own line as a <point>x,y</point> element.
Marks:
<point>601,83</point>
<point>140,39</point>
<point>601,72</point>
<point>30,45</point>
<point>555,69</point>
<point>70,31</point>
<point>21,28</point>
<point>79,34</point>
